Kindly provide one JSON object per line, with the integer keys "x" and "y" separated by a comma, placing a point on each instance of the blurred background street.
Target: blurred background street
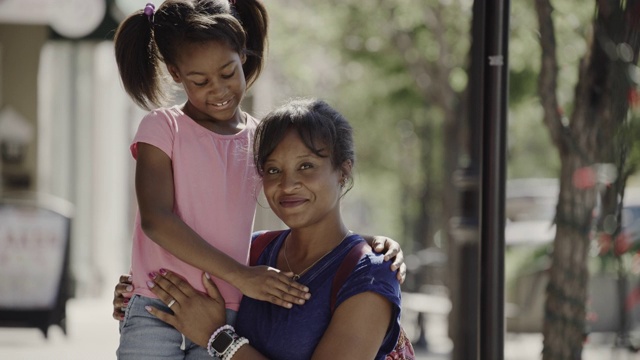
{"x": 417, "y": 79}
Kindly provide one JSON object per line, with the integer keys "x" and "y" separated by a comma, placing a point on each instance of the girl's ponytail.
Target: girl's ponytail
{"x": 146, "y": 40}
{"x": 138, "y": 61}
{"x": 254, "y": 19}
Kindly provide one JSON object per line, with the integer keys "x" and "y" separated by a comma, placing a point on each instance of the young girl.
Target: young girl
{"x": 195, "y": 182}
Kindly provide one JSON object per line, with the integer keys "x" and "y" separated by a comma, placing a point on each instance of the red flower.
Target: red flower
{"x": 633, "y": 97}
{"x": 604, "y": 243}
{"x": 584, "y": 178}
{"x": 622, "y": 245}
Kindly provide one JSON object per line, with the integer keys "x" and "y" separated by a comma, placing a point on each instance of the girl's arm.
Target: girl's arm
{"x": 155, "y": 192}
{"x": 121, "y": 296}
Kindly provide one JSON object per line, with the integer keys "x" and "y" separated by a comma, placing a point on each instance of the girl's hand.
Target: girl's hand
{"x": 121, "y": 296}
{"x": 195, "y": 314}
{"x": 393, "y": 251}
{"x": 269, "y": 284}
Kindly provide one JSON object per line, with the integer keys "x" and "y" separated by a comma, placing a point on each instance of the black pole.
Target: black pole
{"x": 465, "y": 227}
{"x": 494, "y": 127}
{"x": 478, "y": 231}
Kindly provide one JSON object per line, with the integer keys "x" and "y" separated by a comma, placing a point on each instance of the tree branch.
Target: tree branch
{"x": 547, "y": 81}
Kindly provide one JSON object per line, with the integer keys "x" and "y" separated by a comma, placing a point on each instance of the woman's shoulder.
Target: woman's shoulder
{"x": 374, "y": 262}
{"x": 371, "y": 273}
{"x": 357, "y": 246}
{"x": 260, "y": 241}
{"x": 267, "y": 233}
{"x": 370, "y": 264}
{"x": 364, "y": 263}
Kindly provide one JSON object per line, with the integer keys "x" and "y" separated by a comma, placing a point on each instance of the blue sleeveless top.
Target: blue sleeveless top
{"x": 288, "y": 334}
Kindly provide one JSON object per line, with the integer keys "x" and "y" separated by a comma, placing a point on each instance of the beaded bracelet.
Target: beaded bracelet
{"x": 213, "y": 337}
{"x": 235, "y": 347}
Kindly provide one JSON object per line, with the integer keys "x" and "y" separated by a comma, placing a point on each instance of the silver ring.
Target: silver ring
{"x": 170, "y": 304}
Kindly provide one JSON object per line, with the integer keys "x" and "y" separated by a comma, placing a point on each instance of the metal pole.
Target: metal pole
{"x": 465, "y": 229}
{"x": 492, "y": 242}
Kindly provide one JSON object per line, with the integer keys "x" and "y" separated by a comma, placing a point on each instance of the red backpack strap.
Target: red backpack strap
{"x": 346, "y": 268}
{"x": 260, "y": 243}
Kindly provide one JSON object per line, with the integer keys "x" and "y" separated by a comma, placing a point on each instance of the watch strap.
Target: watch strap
{"x": 221, "y": 340}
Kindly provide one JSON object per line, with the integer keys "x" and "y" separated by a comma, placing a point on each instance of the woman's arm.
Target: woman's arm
{"x": 155, "y": 192}
{"x": 357, "y": 328}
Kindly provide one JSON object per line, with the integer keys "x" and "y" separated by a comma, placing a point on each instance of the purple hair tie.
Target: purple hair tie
{"x": 148, "y": 10}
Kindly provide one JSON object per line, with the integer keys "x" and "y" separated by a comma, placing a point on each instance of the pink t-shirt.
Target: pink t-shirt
{"x": 215, "y": 189}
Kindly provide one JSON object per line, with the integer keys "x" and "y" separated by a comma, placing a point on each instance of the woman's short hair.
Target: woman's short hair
{"x": 322, "y": 129}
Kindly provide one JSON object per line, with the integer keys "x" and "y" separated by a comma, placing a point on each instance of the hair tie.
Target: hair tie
{"x": 149, "y": 10}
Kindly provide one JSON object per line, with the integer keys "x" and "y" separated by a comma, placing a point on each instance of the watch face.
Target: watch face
{"x": 222, "y": 342}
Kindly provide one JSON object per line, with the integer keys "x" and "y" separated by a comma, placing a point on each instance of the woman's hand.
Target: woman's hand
{"x": 393, "y": 251}
{"x": 195, "y": 314}
{"x": 121, "y": 296}
{"x": 269, "y": 284}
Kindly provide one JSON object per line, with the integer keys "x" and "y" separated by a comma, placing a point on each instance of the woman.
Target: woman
{"x": 304, "y": 152}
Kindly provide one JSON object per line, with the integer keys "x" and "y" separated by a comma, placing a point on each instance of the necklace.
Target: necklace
{"x": 298, "y": 275}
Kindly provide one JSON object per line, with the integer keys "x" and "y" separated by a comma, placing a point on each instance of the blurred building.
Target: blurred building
{"x": 59, "y": 77}
{"x": 66, "y": 124}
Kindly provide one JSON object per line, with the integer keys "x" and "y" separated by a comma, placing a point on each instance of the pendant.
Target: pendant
{"x": 296, "y": 277}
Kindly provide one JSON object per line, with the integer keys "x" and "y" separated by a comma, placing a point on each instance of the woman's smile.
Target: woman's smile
{"x": 290, "y": 202}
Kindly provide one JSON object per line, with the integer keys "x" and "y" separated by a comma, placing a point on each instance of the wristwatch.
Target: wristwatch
{"x": 221, "y": 343}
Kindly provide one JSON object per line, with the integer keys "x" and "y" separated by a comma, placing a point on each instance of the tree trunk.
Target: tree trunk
{"x": 564, "y": 325}
{"x": 588, "y": 138}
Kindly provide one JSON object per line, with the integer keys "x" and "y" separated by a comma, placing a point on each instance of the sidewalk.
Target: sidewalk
{"x": 93, "y": 334}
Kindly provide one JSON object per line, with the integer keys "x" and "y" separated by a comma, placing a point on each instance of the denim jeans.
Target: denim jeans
{"x": 143, "y": 336}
